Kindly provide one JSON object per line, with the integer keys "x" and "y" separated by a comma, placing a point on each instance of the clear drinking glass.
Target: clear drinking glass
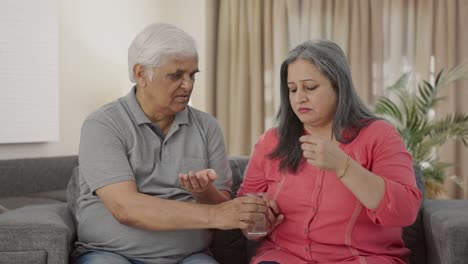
{"x": 260, "y": 227}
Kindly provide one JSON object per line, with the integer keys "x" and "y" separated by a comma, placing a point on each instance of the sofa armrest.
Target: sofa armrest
{"x": 37, "y": 234}
{"x": 446, "y": 230}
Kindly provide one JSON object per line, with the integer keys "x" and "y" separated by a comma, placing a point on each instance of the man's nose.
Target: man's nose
{"x": 187, "y": 84}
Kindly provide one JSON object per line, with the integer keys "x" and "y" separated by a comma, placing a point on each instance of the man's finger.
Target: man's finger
{"x": 251, "y": 199}
{"x": 212, "y": 175}
{"x": 194, "y": 181}
{"x": 183, "y": 184}
{"x": 203, "y": 180}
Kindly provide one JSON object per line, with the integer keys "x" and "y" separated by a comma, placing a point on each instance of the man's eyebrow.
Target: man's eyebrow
{"x": 180, "y": 71}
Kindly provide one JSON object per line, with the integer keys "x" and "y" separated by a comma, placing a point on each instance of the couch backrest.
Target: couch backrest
{"x": 238, "y": 165}
{"x": 31, "y": 175}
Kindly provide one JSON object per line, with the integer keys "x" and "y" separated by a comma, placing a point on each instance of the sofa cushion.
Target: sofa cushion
{"x": 446, "y": 229}
{"x": 19, "y": 201}
{"x": 47, "y": 227}
{"x": 73, "y": 190}
{"x": 59, "y": 195}
{"x": 2, "y": 209}
{"x": 24, "y": 257}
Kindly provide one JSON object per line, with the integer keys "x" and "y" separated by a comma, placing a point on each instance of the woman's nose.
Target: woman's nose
{"x": 300, "y": 96}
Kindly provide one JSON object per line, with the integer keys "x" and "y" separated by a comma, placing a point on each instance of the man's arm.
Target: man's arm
{"x": 135, "y": 209}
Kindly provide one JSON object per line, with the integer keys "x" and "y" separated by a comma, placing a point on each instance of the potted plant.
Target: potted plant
{"x": 411, "y": 110}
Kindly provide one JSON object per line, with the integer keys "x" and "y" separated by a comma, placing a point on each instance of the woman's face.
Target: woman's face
{"x": 311, "y": 95}
{"x": 172, "y": 84}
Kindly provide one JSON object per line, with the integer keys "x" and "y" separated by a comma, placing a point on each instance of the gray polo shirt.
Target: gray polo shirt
{"x": 119, "y": 143}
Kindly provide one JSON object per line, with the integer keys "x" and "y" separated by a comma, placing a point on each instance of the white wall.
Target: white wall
{"x": 94, "y": 37}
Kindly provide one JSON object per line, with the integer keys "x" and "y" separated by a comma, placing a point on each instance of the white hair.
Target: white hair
{"x": 157, "y": 42}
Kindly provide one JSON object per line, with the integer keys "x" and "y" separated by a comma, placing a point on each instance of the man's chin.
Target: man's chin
{"x": 180, "y": 108}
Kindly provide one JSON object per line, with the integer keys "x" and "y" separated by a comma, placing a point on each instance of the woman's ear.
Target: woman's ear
{"x": 140, "y": 75}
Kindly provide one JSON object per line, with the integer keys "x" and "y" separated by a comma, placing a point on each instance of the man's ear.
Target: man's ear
{"x": 140, "y": 75}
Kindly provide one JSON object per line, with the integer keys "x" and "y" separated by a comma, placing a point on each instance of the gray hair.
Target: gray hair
{"x": 156, "y": 43}
{"x": 351, "y": 113}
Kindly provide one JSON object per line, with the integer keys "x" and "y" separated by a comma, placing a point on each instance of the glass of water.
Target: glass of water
{"x": 260, "y": 227}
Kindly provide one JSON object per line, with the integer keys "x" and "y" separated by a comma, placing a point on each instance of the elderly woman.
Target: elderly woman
{"x": 140, "y": 201}
{"x": 341, "y": 177}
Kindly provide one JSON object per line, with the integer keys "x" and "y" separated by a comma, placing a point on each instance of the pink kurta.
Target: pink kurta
{"x": 324, "y": 222}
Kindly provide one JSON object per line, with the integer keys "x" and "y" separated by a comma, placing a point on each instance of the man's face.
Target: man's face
{"x": 172, "y": 84}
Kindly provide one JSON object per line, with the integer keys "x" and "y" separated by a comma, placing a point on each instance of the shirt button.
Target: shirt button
{"x": 314, "y": 209}
{"x": 306, "y": 249}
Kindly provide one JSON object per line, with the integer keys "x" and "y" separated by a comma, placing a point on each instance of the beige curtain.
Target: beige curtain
{"x": 251, "y": 43}
{"x": 354, "y": 25}
{"x": 450, "y": 48}
{"x": 382, "y": 39}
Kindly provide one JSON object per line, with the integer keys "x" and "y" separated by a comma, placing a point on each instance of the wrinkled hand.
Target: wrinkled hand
{"x": 197, "y": 182}
{"x": 241, "y": 212}
{"x": 322, "y": 152}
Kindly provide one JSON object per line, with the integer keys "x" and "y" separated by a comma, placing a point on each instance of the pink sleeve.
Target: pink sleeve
{"x": 401, "y": 200}
{"x": 254, "y": 177}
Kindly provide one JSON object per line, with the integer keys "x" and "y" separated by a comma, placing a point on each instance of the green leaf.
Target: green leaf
{"x": 408, "y": 109}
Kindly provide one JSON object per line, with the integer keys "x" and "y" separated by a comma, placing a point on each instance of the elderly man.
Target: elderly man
{"x": 154, "y": 176}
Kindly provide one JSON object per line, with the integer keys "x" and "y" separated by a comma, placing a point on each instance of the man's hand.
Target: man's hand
{"x": 197, "y": 182}
{"x": 240, "y": 212}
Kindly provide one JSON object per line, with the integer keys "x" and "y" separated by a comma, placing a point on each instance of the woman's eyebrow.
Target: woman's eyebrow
{"x": 304, "y": 80}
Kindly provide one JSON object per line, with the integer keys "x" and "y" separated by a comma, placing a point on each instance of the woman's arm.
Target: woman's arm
{"x": 388, "y": 190}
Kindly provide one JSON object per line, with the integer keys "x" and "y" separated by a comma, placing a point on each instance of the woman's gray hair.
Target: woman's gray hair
{"x": 351, "y": 114}
{"x": 156, "y": 43}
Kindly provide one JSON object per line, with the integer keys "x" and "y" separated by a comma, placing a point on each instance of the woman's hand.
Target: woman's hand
{"x": 197, "y": 182}
{"x": 323, "y": 153}
{"x": 274, "y": 216}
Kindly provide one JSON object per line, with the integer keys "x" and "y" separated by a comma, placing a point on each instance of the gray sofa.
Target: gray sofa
{"x": 38, "y": 226}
